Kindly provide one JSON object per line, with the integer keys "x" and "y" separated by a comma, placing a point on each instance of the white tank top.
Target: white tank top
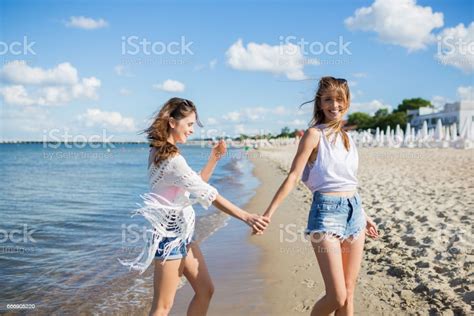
{"x": 335, "y": 168}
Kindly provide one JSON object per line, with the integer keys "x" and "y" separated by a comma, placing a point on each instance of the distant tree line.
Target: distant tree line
{"x": 383, "y": 118}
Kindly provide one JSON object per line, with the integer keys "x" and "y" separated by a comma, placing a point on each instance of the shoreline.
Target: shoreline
{"x": 232, "y": 261}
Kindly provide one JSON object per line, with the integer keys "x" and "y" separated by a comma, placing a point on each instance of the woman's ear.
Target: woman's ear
{"x": 172, "y": 122}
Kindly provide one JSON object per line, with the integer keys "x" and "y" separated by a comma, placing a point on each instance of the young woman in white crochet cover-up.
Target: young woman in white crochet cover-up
{"x": 168, "y": 207}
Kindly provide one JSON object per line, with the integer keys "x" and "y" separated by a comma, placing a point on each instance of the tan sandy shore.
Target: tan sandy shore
{"x": 423, "y": 202}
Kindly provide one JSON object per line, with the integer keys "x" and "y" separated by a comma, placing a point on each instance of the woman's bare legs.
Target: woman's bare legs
{"x": 195, "y": 271}
{"x": 352, "y": 254}
{"x": 166, "y": 280}
{"x": 328, "y": 254}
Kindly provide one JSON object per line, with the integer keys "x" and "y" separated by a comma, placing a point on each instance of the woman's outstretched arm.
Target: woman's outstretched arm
{"x": 217, "y": 152}
{"x": 308, "y": 143}
{"x": 257, "y": 222}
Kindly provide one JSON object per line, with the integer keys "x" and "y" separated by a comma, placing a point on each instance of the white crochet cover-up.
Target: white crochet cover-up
{"x": 174, "y": 187}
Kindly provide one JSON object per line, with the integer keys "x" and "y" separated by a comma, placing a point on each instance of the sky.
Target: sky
{"x": 99, "y": 70}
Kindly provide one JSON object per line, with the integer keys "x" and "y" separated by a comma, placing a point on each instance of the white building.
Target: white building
{"x": 461, "y": 113}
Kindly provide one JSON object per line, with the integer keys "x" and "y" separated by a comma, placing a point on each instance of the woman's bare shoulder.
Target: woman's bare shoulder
{"x": 312, "y": 135}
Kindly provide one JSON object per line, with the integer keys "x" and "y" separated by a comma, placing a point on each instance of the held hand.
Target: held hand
{"x": 256, "y": 232}
{"x": 219, "y": 149}
{"x": 371, "y": 229}
{"x": 257, "y": 222}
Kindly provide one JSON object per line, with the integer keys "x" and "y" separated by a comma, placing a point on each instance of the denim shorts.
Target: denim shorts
{"x": 337, "y": 216}
{"x": 178, "y": 252}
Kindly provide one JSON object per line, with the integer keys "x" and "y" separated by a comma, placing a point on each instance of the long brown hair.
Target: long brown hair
{"x": 158, "y": 132}
{"x": 340, "y": 87}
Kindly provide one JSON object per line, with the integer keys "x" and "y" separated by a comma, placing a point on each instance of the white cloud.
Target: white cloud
{"x": 53, "y": 95}
{"x": 50, "y": 95}
{"x": 27, "y": 119}
{"x": 280, "y": 59}
{"x": 112, "y": 120}
{"x": 280, "y": 110}
{"x": 85, "y": 23}
{"x": 298, "y": 122}
{"x": 255, "y": 113}
{"x": 16, "y": 95}
{"x": 19, "y": 72}
{"x": 295, "y": 123}
{"x": 400, "y": 22}
{"x": 37, "y": 86}
{"x": 466, "y": 93}
{"x": 170, "y": 86}
{"x": 368, "y": 107}
{"x": 247, "y": 114}
{"x": 439, "y": 101}
{"x": 240, "y": 129}
{"x": 259, "y": 114}
{"x": 455, "y": 47}
{"x": 86, "y": 88}
{"x": 232, "y": 116}
{"x": 211, "y": 121}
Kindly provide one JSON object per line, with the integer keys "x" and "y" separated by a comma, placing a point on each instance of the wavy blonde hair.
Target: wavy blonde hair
{"x": 158, "y": 131}
{"x": 331, "y": 85}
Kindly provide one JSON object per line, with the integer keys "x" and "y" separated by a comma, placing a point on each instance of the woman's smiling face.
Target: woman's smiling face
{"x": 180, "y": 130}
{"x": 333, "y": 106}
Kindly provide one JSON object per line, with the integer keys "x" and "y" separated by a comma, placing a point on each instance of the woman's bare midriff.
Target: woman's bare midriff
{"x": 347, "y": 194}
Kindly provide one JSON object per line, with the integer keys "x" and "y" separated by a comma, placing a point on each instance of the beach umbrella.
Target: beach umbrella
{"x": 439, "y": 131}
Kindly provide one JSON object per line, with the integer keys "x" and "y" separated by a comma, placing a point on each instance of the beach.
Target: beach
{"x": 421, "y": 199}
{"x": 422, "y": 264}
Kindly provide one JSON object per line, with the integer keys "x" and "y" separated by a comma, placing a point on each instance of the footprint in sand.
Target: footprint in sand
{"x": 427, "y": 240}
{"x": 309, "y": 283}
{"x": 304, "y": 306}
{"x": 422, "y": 219}
{"x": 410, "y": 241}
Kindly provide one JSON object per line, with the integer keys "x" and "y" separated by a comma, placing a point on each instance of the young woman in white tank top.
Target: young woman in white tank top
{"x": 327, "y": 160}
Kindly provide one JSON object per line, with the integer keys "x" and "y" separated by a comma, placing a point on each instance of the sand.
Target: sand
{"x": 422, "y": 264}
